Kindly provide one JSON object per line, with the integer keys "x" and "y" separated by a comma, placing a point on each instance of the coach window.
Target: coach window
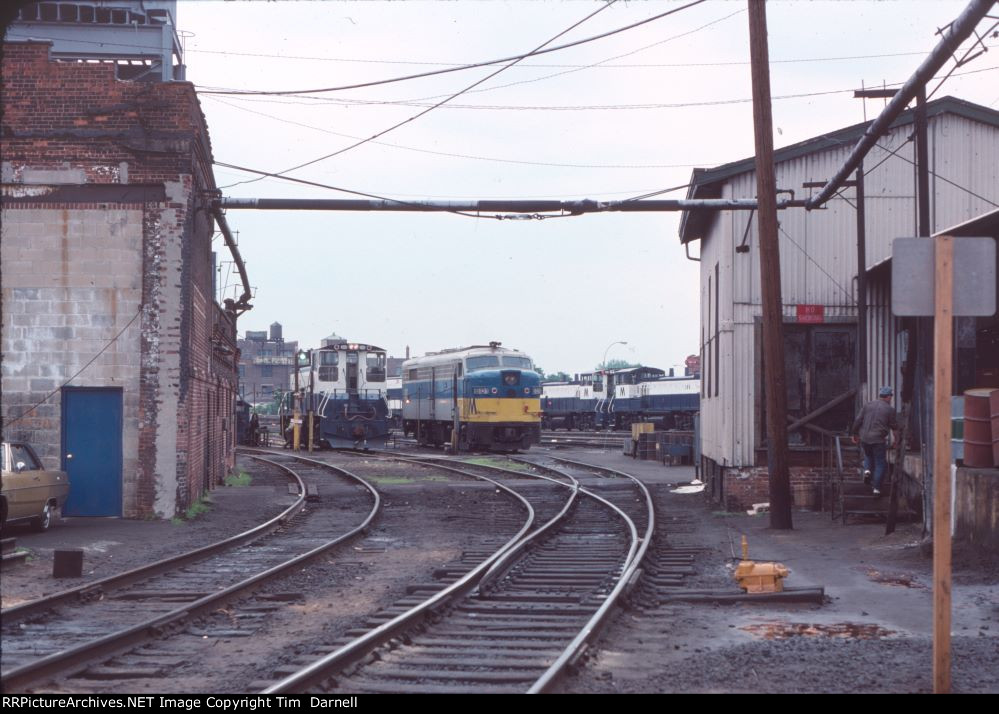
{"x": 351, "y": 358}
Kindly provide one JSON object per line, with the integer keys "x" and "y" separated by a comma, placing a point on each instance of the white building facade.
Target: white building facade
{"x": 818, "y": 261}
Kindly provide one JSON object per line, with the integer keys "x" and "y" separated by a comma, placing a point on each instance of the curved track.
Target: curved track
{"x": 67, "y": 631}
{"x": 516, "y": 621}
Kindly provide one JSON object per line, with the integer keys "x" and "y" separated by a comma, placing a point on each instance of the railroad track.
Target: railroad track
{"x": 69, "y": 631}
{"x": 515, "y": 626}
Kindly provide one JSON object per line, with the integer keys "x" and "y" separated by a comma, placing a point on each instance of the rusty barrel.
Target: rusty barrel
{"x": 978, "y": 428}
{"x": 994, "y": 404}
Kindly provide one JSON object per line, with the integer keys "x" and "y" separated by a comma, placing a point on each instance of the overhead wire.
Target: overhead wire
{"x": 539, "y": 65}
{"x": 601, "y": 62}
{"x": 451, "y": 154}
{"x": 513, "y": 59}
{"x": 333, "y": 101}
{"x": 416, "y": 116}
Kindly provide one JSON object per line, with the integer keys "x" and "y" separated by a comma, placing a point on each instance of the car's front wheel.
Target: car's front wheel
{"x": 42, "y": 522}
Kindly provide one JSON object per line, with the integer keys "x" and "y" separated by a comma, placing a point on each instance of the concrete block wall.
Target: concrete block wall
{"x": 83, "y": 287}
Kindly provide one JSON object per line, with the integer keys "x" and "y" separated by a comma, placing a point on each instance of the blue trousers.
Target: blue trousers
{"x": 876, "y": 461}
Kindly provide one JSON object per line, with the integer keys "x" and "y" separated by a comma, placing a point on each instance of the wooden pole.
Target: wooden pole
{"x": 773, "y": 318}
{"x": 943, "y": 338}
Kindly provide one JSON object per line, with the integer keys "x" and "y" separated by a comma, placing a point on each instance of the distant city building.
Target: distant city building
{"x": 266, "y": 363}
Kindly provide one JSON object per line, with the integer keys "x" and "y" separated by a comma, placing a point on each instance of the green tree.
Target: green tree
{"x": 617, "y": 364}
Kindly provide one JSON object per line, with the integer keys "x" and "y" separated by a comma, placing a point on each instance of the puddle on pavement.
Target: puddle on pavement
{"x": 785, "y": 630}
{"x": 904, "y": 580}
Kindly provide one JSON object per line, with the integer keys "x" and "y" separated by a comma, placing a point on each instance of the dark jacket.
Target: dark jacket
{"x": 874, "y": 422}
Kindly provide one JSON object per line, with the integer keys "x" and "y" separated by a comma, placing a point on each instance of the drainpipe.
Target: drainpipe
{"x": 243, "y": 303}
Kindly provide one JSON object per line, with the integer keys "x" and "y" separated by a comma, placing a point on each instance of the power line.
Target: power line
{"x": 455, "y": 155}
{"x": 512, "y": 59}
{"x": 644, "y": 65}
{"x": 580, "y": 68}
{"x": 331, "y": 101}
{"x": 443, "y": 101}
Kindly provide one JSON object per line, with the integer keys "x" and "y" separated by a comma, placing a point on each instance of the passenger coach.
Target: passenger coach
{"x": 491, "y": 394}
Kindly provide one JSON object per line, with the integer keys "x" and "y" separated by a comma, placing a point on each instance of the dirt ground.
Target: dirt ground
{"x": 115, "y": 545}
{"x": 872, "y": 634}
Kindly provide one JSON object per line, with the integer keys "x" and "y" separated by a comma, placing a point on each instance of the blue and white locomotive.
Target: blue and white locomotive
{"x": 614, "y": 399}
{"x": 489, "y": 393}
{"x": 345, "y": 388}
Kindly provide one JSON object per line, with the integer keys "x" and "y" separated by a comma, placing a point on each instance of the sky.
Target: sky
{"x": 629, "y": 114}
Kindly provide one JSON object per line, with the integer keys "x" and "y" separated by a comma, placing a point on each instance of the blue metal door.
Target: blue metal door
{"x": 91, "y": 450}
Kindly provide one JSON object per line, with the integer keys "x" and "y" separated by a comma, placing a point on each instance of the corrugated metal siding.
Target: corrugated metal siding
{"x": 819, "y": 259}
{"x": 884, "y": 342}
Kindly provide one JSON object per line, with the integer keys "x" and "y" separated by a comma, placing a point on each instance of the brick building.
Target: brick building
{"x": 118, "y": 364}
{"x": 266, "y": 364}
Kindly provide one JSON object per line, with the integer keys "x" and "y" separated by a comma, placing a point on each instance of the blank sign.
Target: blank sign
{"x": 912, "y": 277}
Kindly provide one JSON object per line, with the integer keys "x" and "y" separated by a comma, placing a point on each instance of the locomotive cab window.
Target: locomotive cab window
{"x": 376, "y": 366}
{"x": 483, "y": 362}
{"x": 328, "y": 362}
{"x": 512, "y": 361}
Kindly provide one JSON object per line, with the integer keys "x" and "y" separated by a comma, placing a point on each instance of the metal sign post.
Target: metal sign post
{"x": 917, "y": 262}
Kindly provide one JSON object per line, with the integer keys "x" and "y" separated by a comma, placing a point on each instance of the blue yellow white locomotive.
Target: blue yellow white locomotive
{"x": 344, "y": 386}
{"x": 491, "y": 394}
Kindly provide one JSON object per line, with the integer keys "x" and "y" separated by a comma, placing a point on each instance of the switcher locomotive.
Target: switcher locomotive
{"x": 481, "y": 397}
{"x": 344, "y": 387}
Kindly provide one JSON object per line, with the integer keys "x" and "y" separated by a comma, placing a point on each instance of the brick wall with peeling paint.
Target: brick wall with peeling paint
{"x": 84, "y": 260}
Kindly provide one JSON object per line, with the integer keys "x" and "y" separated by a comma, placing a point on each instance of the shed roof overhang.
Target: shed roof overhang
{"x": 708, "y": 183}
{"x": 986, "y": 224}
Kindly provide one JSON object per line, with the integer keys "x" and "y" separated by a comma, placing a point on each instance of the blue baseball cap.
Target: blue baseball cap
{"x": 886, "y": 391}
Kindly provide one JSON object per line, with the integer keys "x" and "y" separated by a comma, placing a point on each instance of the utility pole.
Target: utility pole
{"x": 773, "y": 318}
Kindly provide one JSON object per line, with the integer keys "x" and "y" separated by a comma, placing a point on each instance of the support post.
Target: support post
{"x": 861, "y": 287}
{"x": 312, "y": 402}
{"x": 296, "y": 414}
{"x": 773, "y": 328}
{"x": 943, "y": 338}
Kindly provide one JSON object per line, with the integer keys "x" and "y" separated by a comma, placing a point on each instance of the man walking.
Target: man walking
{"x": 872, "y": 425}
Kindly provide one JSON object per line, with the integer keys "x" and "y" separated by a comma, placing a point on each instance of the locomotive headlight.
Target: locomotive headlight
{"x": 527, "y": 390}
{"x": 510, "y": 379}
{"x": 494, "y": 390}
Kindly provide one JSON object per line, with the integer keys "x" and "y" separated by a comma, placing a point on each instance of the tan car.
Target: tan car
{"x": 28, "y": 493}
